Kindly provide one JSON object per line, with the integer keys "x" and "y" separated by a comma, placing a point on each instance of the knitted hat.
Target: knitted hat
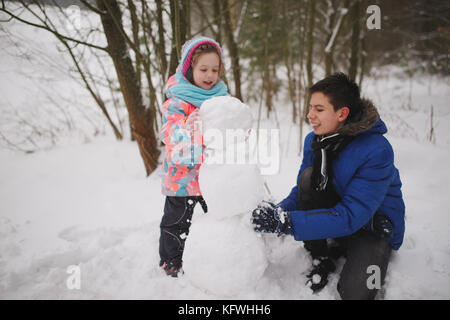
{"x": 188, "y": 50}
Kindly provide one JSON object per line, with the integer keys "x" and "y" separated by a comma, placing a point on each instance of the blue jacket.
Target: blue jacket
{"x": 367, "y": 182}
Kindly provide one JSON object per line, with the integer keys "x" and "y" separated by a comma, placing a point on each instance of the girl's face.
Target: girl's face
{"x": 322, "y": 116}
{"x": 206, "y": 70}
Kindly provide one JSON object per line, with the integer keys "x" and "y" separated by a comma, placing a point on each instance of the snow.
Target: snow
{"x": 82, "y": 202}
{"x": 90, "y": 205}
{"x": 316, "y": 279}
{"x": 225, "y": 114}
{"x": 219, "y": 115}
{"x": 223, "y": 254}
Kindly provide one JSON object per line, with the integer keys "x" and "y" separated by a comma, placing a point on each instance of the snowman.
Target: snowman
{"x": 223, "y": 254}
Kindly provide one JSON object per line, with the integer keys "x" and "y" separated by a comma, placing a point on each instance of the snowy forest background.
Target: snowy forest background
{"x": 81, "y": 85}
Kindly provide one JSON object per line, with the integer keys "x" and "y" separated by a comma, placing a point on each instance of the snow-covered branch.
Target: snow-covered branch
{"x": 343, "y": 12}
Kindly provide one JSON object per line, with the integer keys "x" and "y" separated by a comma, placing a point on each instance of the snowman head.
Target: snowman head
{"x": 225, "y": 116}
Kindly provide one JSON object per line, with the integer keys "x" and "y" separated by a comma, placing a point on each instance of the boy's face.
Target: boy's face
{"x": 323, "y": 118}
{"x": 206, "y": 71}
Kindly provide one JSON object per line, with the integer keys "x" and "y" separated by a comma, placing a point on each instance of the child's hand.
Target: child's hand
{"x": 268, "y": 217}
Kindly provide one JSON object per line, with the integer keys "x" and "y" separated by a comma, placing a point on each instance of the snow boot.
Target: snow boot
{"x": 318, "y": 277}
{"x": 173, "y": 269}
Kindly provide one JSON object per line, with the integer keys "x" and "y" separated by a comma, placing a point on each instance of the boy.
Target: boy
{"x": 348, "y": 190}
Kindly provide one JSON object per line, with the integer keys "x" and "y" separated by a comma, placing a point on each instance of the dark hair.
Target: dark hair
{"x": 342, "y": 92}
{"x": 189, "y": 75}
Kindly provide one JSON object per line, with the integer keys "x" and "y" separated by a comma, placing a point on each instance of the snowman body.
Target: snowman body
{"x": 223, "y": 254}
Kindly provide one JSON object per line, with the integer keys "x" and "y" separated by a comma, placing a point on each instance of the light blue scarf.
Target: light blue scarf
{"x": 192, "y": 94}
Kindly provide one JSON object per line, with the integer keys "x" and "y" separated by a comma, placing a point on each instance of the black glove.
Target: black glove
{"x": 382, "y": 226}
{"x": 269, "y": 218}
{"x": 203, "y": 204}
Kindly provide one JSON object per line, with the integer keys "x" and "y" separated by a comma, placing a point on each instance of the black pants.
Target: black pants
{"x": 174, "y": 226}
{"x": 367, "y": 259}
{"x": 367, "y": 256}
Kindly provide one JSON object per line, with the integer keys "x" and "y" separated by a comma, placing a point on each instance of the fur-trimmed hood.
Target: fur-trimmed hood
{"x": 370, "y": 121}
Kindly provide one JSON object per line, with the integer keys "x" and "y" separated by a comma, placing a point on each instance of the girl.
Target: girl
{"x": 196, "y": 79}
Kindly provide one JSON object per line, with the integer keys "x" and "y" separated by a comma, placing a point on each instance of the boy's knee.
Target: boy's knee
{"x": 364, "y": 271}
{"x": 349, "y": 289}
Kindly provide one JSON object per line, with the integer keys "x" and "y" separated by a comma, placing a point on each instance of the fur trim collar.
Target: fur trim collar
{"x": 369, "y": 118}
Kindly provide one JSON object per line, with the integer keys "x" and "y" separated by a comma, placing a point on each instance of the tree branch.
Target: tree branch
{"x": 122, "y": 31}
{"x": 46, "y": 27}
{"x": 216, "y": 18}
{"x": 205, "y": 16}
{"x": 91, "y": 7}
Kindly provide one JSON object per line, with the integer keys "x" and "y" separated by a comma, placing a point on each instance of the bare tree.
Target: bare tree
{"x": 355, "y": 46}
{"x": 161, "y": 44}
{"x": 141, "y": 119}
{"x": 335, "y": 16}
{"x": 309, "y": 51}
{"x": 45, "y": 23}
{"x": 179, "y": 16}
{"x": 289, "y": 60}
{"x": 234, "y": 51}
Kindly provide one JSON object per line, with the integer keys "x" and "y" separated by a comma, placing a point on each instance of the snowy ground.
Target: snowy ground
{"x": 89, "y": 205}
{"x": 84, "y": 201}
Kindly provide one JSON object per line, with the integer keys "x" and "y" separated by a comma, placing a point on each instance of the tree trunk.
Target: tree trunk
{"x": 310, "y": 40}
{"x": 135, "y": 30}
{"x": 218, "y": 20}
{"x": 301, "y": 39}
{"x": 266, "y": 78}
{"x": 186, "y": 20}
{"x": 355, "y": 16}
{"x": 335, "y": 28}
{"x": 147, "y": 65}
{"x": 141, "y": 120}
{"x": 288, "y": 60}
{"x": 362, "y": 62}
{"x": 174, "y": 51}
{"x": 161, "y": 49}
{"x": 309, "y": 52}
{"x": 268, "y": 89}
{"x": 179, "y": 17}
{"x": 234, "y": 51}
{"x": 328, "y": 48}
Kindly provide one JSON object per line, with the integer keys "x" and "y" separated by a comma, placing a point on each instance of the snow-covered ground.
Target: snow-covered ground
{"x": 83, "y": 200}
{"x": 90, "y": 205}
